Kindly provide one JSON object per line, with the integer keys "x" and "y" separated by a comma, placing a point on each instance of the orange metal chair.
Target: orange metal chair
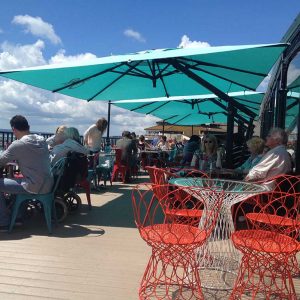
{"x": 278, "y": 212}
{"x": 172, "y": 271}
{"x": 269, "y": 246}
{"x": 119, "y": 168}
{"x": 186, "y": 209}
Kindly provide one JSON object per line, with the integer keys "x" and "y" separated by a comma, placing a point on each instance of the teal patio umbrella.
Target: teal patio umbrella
{"x": 195, "y": 110}
{"x": 158, "y": 73}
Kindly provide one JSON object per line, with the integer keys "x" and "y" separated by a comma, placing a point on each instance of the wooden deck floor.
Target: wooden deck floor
{"x": 95, "y": 254}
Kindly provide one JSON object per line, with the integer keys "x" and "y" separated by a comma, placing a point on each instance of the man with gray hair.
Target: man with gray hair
{"x": 276, "y": 161}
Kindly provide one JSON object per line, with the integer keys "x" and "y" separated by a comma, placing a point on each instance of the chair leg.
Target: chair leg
{"x": 263, "y": 274}
{"x": 170, "y": 276}
{"x": 14, "y": 214}
{"x": 47, "y": 213}
{"x": 86, "y": 185}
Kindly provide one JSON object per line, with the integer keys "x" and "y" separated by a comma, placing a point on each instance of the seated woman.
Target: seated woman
{"x": 71, "y": 142}
{"x": 57, "y": 138}
{"x": 256, "y": 147}
{"x": 163, "y": 144}
{"x": 142, "y": 144}
{"x": 209, "y": 156}
{"x": 189, "y": 148}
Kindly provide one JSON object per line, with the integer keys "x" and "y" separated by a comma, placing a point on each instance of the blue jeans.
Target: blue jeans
{"x": 11, "y": 186}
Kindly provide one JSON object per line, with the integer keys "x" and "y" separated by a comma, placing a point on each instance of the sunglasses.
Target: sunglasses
{"x": 205, "y": 142}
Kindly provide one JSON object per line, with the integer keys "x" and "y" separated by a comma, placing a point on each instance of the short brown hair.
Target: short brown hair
{"x": 19, "y": 122}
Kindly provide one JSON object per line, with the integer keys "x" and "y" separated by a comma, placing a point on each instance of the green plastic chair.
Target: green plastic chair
{"x": 47, "y": 200}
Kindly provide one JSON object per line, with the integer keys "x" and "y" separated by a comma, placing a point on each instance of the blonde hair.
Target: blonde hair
{"x": 212, "y": 138}
{"x": 60, "y": 134}
{"x": 256, "y": 144}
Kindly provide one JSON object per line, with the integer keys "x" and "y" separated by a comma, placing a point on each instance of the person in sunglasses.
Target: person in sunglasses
{"x": 209, "y": 156}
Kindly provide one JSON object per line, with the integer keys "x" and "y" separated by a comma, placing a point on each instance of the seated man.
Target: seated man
{"x": 276, "y": 161}
{"x": 129, "y": 150}
{"x": 32, "y": 155}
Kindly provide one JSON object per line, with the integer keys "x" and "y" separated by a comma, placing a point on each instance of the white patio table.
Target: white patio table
{"x": 218, "y": 258}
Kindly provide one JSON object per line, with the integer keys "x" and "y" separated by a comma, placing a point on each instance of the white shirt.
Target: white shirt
{"x": 275, "y": 162}
{"x": 92, "y": 138}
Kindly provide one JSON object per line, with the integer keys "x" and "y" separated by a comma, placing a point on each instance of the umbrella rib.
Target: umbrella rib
{"x": 209, "y": 86}
{"x": 224, "y": 67}
{"x": 162, "y": 80}
{"x": 160, "y": 106}
{"x": 142, "y": 106}
{"x": 115, "y": 80}
{"x": 221, "y": 77}
{"x": 86, "y": 78}
{"x": 225, "y": 108}
{"x": 179, "y": 119}
{"x": 292, "y": 105}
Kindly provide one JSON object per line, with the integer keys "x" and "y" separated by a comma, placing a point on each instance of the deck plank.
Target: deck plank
{"x": 95, "y": 254}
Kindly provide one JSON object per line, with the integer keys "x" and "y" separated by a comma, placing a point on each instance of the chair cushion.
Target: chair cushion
{"x": 174, "y": 234}
{"x": 272, "y": 219}
{"x": 185, "y": 212}
{"x": 264, "y": 241}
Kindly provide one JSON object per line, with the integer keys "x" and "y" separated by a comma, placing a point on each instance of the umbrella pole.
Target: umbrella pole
{"x": 230, "y": 130}
{"x": 108, "y": 123}
{"x": 163, "y": 128}
{"x": 192, "y": 129}
{"x": 297, "y": 158}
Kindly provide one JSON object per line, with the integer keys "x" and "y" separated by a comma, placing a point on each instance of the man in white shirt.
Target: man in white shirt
{"x": 276, "y": 161}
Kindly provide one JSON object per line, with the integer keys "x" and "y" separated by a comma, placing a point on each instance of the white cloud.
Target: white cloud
{"x": 60, "y": 57}
{"x": 187, "y": 43}
{"x": 18, "y": 56}
{"x": 37, "y": 27}
{"x": 45, "y": 110}
{"x": 134, "y": 35}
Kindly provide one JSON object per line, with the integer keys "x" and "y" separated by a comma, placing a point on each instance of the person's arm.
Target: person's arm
{"x": 85, "y": 136}
{"x": 8, "y": 155}
{"x": 261, "y": 170}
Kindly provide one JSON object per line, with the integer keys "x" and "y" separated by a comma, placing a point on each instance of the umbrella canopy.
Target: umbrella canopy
{"x": 292, "y": 109}
{"x": 157, "y": 73}
{"x": 193, "y": 110}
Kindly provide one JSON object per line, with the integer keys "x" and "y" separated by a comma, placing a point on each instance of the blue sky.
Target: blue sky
{"x": 35, "y": 32}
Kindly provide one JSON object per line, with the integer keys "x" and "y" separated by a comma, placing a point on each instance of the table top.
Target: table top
{"x": 228, "y": 186}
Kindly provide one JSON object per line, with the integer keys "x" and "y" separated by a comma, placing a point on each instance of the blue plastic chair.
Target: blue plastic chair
{"x": 105, "y": 167}
{"x": 47, "y": 200}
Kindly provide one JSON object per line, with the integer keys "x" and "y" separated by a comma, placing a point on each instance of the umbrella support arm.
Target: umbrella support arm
{"x": 185, "y": 69}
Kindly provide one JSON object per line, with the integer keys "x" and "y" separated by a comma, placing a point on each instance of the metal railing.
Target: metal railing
{"x": 7, "y": 137}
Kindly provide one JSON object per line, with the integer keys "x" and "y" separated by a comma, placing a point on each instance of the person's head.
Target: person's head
{"x": 60, "y": 129}
{"x": 126, "y": 134}
{"x": 101, "y": 124}
{"x": 142, "y": 138}
{"x": 276, "y": 137}
{"x": 163, "y": 138}
{"x": 133, "y": 135}
{"x": 210, "y": 144}
{"x": 194, "y": 138}
{"x": 72, "y": 133}
{"x": 256, "y": 145}
{"x": 60, "y": 136}
{"x": 19, "y": 126}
